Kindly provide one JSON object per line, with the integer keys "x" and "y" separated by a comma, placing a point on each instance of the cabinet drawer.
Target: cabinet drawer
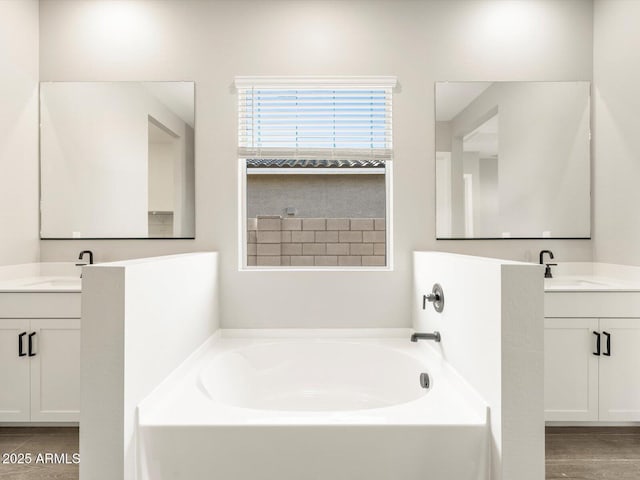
{"x": 592, "y": 304}
{"x": 40, "y": 305}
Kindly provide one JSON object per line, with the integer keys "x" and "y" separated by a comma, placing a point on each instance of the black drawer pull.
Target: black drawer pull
{"x": 31, "y": 352}
{"x": 608, "y": 352}
{"x": 597, "y": 352}
{"x": 20, "y": 351}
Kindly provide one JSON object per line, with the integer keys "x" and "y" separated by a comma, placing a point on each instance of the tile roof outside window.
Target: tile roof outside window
{"x": 300, "y": 163}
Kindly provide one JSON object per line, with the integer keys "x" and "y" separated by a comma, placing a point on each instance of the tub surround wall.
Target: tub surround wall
{"x": 19, "y": 240}
{"x": 492, "y": 334}
{"x": 616, "y": 124}
{"x": 212, "y": 42}
{"x": 141, "y": 319}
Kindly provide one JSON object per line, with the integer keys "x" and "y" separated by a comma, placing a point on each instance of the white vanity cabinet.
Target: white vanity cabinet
{"x": 570, "y": 369}
{"x": 39, "y": 357}
{"x": 14, "y": 373}
{"x": 584, "y": 383}
{"x": 619, "y": 372}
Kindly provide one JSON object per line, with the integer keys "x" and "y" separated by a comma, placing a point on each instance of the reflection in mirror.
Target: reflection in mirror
{"x": 117, "y": 160}
{"x": 512, "y": 160}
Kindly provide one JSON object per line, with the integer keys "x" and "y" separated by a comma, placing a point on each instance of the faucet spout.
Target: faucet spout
{"x": 435, "y": 336}
{"x": 542, "y": 252}
{"x": 86, "y": 252}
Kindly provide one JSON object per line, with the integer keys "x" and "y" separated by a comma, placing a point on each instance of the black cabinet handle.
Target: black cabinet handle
{"x": 608, "y": 352}
{"x": 31, "y": 353}
{"x": 597, "y": 352}
{"x": 20, "y": 337}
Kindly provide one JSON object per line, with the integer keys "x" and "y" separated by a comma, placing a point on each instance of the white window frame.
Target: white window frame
{"x": 320, "y": 82}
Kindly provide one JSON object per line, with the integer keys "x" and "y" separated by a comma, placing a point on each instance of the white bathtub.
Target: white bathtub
{"x": 307, "y": 405}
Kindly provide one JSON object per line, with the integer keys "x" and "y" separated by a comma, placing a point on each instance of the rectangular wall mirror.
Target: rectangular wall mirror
{"x": 117, "y": 160}
{"x": 512, "y": 160}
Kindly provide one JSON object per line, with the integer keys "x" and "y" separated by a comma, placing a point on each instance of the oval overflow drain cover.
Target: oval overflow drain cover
{"x": 424, "y": 380}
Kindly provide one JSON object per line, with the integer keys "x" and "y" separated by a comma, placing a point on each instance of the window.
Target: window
{"x": 315, "y": 163}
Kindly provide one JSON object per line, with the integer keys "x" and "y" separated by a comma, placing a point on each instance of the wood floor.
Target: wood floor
{"x": 601, "y": 453}
{"x": 572, "y": 453}
{"x": 52, "y": 440}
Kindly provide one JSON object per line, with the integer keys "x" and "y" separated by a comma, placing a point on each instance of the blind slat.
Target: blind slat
{"x": 347, "y": 122}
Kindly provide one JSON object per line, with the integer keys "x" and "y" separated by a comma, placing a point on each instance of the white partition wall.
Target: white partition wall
{"x": 140, "y": 320}
{"x": 492, "y": 334}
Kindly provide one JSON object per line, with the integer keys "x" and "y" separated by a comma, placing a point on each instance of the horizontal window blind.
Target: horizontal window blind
{"x": 348, "y": 121}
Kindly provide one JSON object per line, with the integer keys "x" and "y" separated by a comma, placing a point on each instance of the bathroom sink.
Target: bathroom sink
{"x": 584, "y": 283}
{"x": 578, "y": 283}
{"x": 41, "y": 277}
{"x": 56, "y": 283}
{"x": 42, "y": 284}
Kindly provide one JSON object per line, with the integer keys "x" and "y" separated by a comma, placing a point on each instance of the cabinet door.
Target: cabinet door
{"x": 570, "y": 369}
{"x": 14, "y": 371}
{"x": 55, "y": 370}
{"x": 620, "y": 372}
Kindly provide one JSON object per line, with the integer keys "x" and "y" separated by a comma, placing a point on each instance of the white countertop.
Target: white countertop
{"x": 49, "y": 277}
{"x": 593, "y": 277}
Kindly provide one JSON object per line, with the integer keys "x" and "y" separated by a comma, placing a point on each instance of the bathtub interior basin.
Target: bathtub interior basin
{"x": 298, "y": 376}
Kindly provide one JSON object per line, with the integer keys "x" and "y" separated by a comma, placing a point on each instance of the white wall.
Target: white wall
{"x": 212, "y": 42}
{"x": 616, "y": 126}
{"x": 95, "y": 158}
{"x": 492, "y": 334}
{"x": 19, "y": 132}
{"x": 140, "y": 320}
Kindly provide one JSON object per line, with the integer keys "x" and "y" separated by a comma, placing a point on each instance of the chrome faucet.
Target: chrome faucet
{"x": 547, "y": 270}
{"x": 426, "y": 336}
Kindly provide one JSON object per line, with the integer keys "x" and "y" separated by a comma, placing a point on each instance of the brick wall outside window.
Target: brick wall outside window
{"x": 321, "y": 242}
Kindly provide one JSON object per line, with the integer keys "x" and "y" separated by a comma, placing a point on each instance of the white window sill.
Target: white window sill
{"x": 316, "y": 269}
